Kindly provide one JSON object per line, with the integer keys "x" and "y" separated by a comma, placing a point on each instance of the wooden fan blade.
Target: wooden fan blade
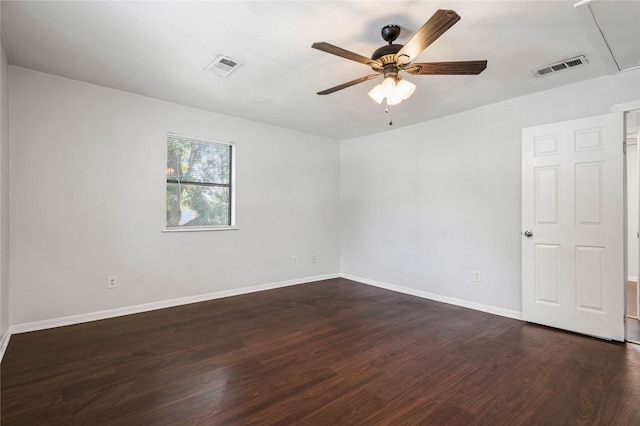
{"x": 437, "y": 25}
{"x": 338, "y": 51}
{"x": 444, "y": 68}
{"x": 348, "y": 84}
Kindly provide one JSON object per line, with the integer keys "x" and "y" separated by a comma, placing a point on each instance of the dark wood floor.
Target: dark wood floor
{"x": 332, "y": 352}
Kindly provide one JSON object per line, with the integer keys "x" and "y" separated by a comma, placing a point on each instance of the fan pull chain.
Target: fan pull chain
{"x": 387, "y": 110}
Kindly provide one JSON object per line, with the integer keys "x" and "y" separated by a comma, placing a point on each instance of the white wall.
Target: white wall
{"x": 4, "y": 192}
{"x": 424, "y": 206}
{"x": 88, "y": 201}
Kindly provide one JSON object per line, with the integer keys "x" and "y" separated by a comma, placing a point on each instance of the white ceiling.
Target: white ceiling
{"x": 160, "y": 49}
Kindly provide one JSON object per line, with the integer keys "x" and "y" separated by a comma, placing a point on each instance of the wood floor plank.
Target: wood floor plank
{"x": 331, "y": 352}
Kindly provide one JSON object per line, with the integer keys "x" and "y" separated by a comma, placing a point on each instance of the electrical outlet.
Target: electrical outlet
{"x": 313, "y": 259}
{"x": 476, "y": 275}
{"x": 294, "y": 260}
{"x": 112, "y": 282}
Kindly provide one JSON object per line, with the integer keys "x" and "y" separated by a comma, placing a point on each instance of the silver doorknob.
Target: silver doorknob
{"x": 528, "y": 234}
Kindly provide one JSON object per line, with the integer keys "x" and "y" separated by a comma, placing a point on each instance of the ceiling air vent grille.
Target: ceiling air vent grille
{"x": 559, "y": 66}
{"x": 223, "y": 66}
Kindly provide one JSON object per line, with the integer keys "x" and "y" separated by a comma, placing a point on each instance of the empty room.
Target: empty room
{"x": 319, "y": 212}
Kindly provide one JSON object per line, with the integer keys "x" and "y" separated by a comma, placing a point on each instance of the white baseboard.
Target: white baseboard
{"x": 135, "y": 309}
{"x": 128, "y": 310}
{"x": 4, "y": 342}
{"x": 634, "y": 279}
{"x": 438, "y": 298}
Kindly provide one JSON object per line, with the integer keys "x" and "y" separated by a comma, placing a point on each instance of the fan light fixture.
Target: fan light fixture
{"x": 395, "y": 90}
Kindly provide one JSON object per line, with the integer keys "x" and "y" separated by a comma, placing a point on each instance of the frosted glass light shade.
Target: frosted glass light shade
{"x": 394, "y": 100}
{"x": 377, "y": 93}
{"x": 389, "y": 87}
{"x": 405, "y": 89}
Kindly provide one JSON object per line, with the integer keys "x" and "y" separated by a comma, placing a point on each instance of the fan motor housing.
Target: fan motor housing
{"x": 387, "y": 49}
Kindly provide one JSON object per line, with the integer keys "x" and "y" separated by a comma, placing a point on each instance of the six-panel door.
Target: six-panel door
{"x": 572, "y": 205}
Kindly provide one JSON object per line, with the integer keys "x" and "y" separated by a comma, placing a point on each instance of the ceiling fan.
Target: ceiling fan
{"x": 389, "y": 60}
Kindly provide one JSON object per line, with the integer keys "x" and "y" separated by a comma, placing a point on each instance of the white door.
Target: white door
{"x": 573, "y": 274}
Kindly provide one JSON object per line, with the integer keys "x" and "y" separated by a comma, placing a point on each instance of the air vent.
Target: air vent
{"x": 223, "y": 66}
{"x": 559, "y": 66}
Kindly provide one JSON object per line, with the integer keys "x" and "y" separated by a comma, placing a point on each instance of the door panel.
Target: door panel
{"x": 546, "y": 186}
{"x": 589, "y": 279}
{"x": 572, "y": 203}
{"x": 547, "y": 260}
{"x": 589, "y": 191}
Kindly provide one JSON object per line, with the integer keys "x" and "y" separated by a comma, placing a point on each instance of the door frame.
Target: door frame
{"x": 623, "y": 108}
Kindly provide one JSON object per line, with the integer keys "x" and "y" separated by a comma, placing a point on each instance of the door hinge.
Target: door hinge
{"x": 624, "y": 147}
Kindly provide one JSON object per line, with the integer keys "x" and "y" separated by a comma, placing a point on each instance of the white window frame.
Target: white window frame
{"x": 231, "y": 185}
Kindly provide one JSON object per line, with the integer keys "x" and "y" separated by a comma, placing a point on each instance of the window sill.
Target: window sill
{"x": 200, "y": 229}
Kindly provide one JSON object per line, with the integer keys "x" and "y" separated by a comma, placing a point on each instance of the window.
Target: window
{"x": 199, "y": 183}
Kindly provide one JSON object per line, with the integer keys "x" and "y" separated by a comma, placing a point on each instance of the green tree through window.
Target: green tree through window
{"x": 199, "y": 186}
